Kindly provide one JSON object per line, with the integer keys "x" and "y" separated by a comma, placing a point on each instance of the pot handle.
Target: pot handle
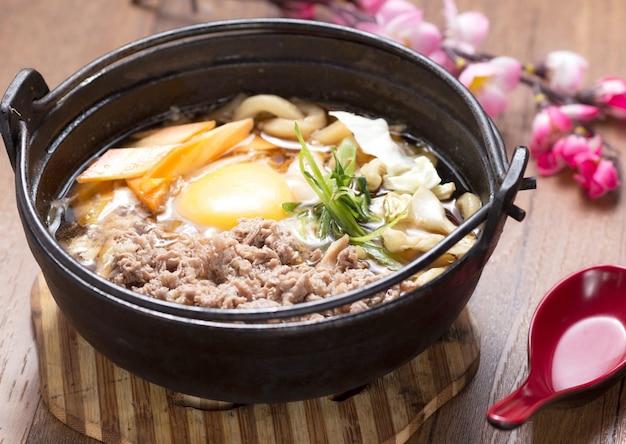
{"x": 19, "y": 108}
{"x": 512, "y": 182}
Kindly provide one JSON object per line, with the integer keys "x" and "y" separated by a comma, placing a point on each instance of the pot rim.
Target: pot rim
{"x": 488, "y": 136}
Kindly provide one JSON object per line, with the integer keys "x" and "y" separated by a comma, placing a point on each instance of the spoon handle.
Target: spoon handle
{"x": 515, "y": 409}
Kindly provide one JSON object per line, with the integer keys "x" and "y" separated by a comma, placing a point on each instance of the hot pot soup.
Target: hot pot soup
{"x": 263, "y": 202}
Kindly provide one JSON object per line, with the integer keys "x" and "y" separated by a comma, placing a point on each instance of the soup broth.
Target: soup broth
{"x": 263, "y": 202}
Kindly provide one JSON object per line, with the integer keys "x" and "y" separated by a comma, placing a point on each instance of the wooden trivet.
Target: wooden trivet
{"x": 92, "y": 395}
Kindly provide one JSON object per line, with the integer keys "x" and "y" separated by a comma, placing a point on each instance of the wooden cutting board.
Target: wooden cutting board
{"x": 92, "y": 395}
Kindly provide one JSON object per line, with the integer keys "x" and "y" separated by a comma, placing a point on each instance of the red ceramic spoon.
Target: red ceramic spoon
{"x": 576, "y": 347}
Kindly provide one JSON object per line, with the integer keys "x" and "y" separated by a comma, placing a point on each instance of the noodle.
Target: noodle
{"x": 308, "y": 116}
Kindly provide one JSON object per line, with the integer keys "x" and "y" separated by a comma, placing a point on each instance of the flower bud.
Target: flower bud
{"x": 464, "y": 31}
{"x": 565, "y": 71}
{"x": 403, "y": 22}
{"x": 597, "y": 175}
{"x": 610, "y": 94}
{"x": 549, "y": 125}
{"x": 579, "y": 111}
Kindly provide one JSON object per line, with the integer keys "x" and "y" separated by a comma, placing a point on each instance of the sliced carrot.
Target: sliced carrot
{"x": 201, "y": 149}
{"x": 173, "y": 135}
{"x": 152, "y": 187}
{"x": 151, "y": 191}
{"x": 123, "y": 163}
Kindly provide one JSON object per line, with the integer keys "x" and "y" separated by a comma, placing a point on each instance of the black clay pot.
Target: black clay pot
{"x": 50, "y": 135}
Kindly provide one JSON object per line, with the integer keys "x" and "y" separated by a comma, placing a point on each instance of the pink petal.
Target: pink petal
{"x": 398, "y": 20}
{"x": 426, "y": 39}
{"x": 509, "y": 72}
{"x": 374, "y": 28}
{"x": 575, "y": 148}
{"x": 450, "y": 11}
{"x": 606, "y": 177}
{"x": 402, "y": 24}
{"x": 549, "y": 125}
{"x": 617, "y": 106}
{"x": 541, "y": 130}
{"x": 549, "y": 163}
{"x": 300, "y": 10}
{"x": 578, "y": 111}
{"x": 440, "y": 57}
{"x": 371, "y": 6}
{"x": 490, "y": 81}
{"x": 566, "y": 71}
{"x": 598, "y": 177}
{"x": 464, "y": 31}
{"x": 607, "y": 87}
{"x": 587, "y": 164}
{"x": 613, "y": 85}
{"x": 476, "y": 74}
{"x": 391, "y": 9}
{"x": 559, "y": 119}
{"x": 471, "y": 27}
{"x": 493, "y": 100}
{"x": 402, "y": 21}
{"x": 611, "y": 92}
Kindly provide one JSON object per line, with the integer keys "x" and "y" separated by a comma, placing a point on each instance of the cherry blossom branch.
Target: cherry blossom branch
{"x": 562, "y": 134}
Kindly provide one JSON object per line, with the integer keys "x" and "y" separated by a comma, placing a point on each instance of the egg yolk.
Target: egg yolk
{"x": 223, "y": 196}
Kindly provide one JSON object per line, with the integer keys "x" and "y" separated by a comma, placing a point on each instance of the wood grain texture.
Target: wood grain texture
{"x": 102, "y": 401}
{"x": 562, "y": 232}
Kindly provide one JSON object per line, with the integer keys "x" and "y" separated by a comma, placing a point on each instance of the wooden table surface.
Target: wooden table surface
{"x": 563, "y": 231}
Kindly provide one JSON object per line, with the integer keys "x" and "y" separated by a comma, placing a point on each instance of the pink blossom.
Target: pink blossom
{"x": 597, "y": 175}
{"x": 440, "y": 57}
{"x": 550, "y": 163}
{"x": 565, "y": 71}
{"x": 490, "y": 82}
{"x": 549, "y": 125}
{"x": 610, "y": 93}
{"x": 569, "y": 150}
{"x": 464, "y": 31}
{"x": 371, "y": 6}
{"x": 570, "y": 147}
{"x": 403, "y": 22}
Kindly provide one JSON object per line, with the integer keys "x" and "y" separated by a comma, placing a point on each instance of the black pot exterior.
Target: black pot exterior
{"x": 50, "y": 135}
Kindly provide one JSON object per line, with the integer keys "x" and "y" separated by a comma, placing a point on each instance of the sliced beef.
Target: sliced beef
{"x": 257, "y": 264}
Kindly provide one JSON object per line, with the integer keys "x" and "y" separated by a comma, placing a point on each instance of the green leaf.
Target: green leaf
{"x": 291, "y": 207}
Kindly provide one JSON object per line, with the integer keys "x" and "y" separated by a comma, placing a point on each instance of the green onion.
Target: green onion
{"x": 345, "y": 200}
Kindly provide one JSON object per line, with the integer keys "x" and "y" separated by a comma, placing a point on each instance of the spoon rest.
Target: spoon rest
{"x": 576, "y": 347}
